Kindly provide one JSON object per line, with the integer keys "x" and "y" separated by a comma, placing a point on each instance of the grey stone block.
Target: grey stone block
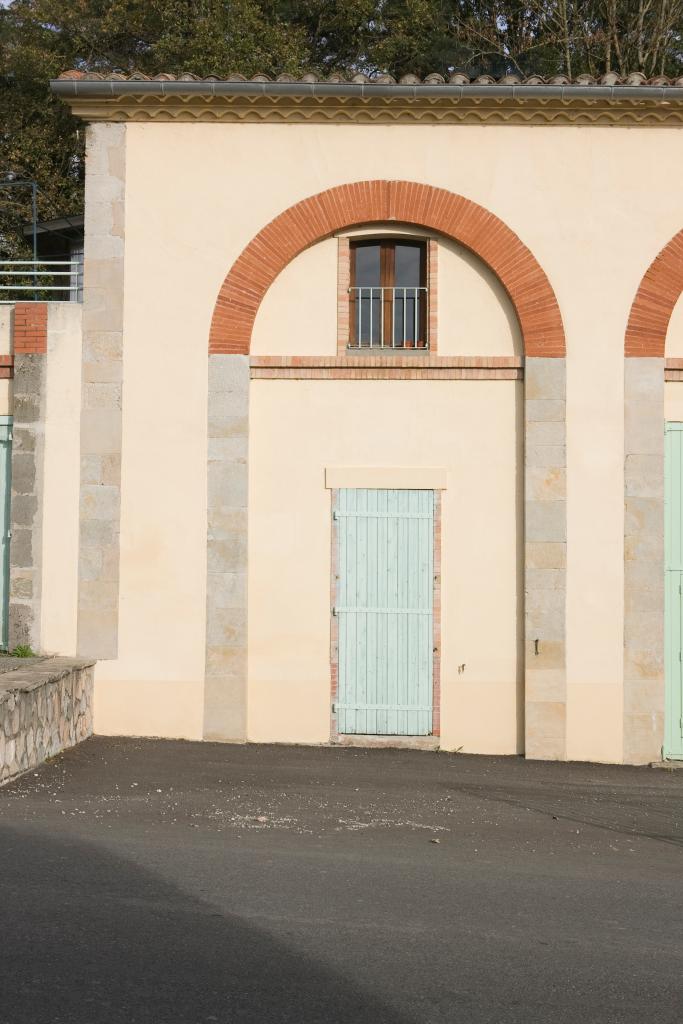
{"x": 545, "y": 614}
{"x": 228, "y": 554}
{"x": 222, "y": 424}
{"x": 102, "y": 395}
{"x": 23, "y": 439}
{"x": 545, "y": 455}
{"x": 542, "y": 555}
{"x": 546, "y": 521}
{"x": 100, "y": 431}
{"x": 24, "y": 509}
{"x": 99, "y": 594}
{"x": 98, "y": 533}
{"x": 545, "y": 579}
{"x": 21, "y": 624}
{"x": 544, "y": 379}
{"x": 644, "y": 476}
{"x": 21, "y": 548}
{"x": 542, "y": 411}
{"x": 545, "y": 483}
{"x": 100, "y": 502}
{"x": 643, "y": 545}
{"x": 97, "y": 632}
{"x": 225, "y": 521}
{"x": 225, "y": 708}
{"x": 228, "y": 589}
{"x": 545, "y": 433}
{"x": 29, "y": 370}
{"x": 228, "y": 484}
{"x": 91, "y": 469}
{"x": 103, "y": 348}
{"x": 26, "y": 409}
{"x": 643, "y": 630}
{"x": 226, "y": 627}
{"x": 21, "y": 585}
{"x": 229, "y": 449}
{"x": 229, "y": 374}
{"x": 23, "y": 473}
{"x": 643, "y": 515}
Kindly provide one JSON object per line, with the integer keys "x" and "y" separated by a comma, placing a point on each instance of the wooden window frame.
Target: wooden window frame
{"x": 387, "y": 246}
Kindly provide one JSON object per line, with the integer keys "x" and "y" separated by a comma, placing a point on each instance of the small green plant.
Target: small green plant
{"x": 23, "y": 651}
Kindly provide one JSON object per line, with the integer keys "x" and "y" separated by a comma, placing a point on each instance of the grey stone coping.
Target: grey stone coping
{"x": 39, "y": 672}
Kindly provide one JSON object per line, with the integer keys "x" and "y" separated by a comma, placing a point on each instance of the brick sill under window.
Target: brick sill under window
{"x": 409, "y": 365}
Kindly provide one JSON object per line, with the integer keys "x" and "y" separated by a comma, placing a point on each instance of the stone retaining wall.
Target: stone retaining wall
{"x": 45, "y": 707}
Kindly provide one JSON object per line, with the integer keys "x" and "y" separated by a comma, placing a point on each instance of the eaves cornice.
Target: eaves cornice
{"x": 363, "y": 103}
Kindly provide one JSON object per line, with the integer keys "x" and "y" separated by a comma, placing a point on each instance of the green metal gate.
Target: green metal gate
{"x": 5, "y": 498}
{"x": 384, "y": 608}
{"x": 673, "y": 589}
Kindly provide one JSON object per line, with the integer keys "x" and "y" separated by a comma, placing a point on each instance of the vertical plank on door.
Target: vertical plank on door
{"x": 673, "y": 596}
{"x": 385, "y": 611}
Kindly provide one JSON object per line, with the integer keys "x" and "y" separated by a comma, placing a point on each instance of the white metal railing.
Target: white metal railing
{"x": 42, "y": 280}
{"x": 389, "y": 318}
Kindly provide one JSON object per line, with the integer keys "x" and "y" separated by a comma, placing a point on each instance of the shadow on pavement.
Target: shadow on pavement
{"x": 110, "y": 942}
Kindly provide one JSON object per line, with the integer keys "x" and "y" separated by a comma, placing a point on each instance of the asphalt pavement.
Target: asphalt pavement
{"x": 168, "y": 882}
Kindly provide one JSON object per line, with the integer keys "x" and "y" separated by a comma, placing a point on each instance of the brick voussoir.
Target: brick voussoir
{"x": 451, "y": 215}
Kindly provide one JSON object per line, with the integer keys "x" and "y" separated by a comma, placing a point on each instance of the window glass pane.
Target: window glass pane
{"x": 367, "y": 266}
{"x": 408, "y": 265}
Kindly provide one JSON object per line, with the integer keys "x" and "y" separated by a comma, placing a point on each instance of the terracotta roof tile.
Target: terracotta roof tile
{"x": 457, "y": 78}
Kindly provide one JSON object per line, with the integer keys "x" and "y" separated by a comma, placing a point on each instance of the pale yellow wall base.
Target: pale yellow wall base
{"x": 595, "y": 722}
{"x": 172, "y": 710}
{"x": 483, "y": 718}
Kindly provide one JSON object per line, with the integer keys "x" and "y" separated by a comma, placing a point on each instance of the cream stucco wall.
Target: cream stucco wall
{"x": 476, "y": 316}
{"x": 673, "y": 349}
{"x": 196, "y": 195}
{"x": 473, "y": 430}
{"x": 61, "y": 479}
{"x": 6, "y": 320}
{"x": 298, "y": 315}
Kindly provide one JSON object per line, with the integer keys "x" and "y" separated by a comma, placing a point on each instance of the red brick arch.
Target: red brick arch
{"x": 654, "y": 303}
{"x": 366, "y": 202}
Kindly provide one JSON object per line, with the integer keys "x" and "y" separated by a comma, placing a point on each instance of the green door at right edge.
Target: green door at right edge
{"x": 673, "y": 590}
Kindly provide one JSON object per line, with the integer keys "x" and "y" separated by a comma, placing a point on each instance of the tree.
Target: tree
{"x": 41, "y": 38}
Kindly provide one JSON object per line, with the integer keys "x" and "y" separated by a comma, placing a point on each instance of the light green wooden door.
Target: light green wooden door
{"x": 5, "y": 497}
{"x": 384, "y": 607}
{"x": 673, "y": 590}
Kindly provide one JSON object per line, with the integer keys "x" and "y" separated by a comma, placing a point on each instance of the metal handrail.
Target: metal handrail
{"x": 40, "y": 276}
{"x": 399, "y": 299}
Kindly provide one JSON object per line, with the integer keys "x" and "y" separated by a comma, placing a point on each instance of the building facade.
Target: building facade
{"x": 371, "y": 425}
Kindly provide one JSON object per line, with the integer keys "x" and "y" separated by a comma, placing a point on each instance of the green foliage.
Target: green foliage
{"x": 23, "y": 651}
{"x": 40, "y": 38}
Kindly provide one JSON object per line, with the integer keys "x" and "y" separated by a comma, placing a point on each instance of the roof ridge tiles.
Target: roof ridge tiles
{"x": 461, "y": 78}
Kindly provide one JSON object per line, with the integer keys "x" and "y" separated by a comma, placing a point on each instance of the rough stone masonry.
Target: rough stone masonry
{"x": 45, "y": 707}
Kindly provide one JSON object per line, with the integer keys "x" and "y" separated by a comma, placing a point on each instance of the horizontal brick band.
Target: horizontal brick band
{"x": 654, "y": 303}
{"x": 383, "y": 373}
{"x": 368, "y": 202}
{"x": 390, "y": 361}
